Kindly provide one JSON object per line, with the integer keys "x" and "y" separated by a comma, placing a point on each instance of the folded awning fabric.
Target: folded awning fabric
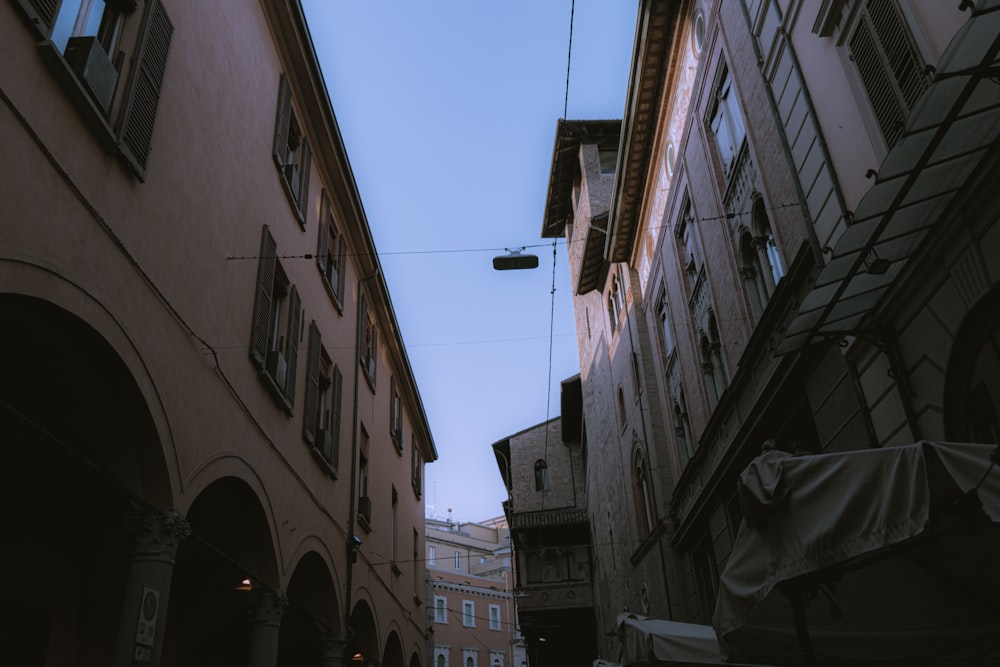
{"x": 894, "y": 552}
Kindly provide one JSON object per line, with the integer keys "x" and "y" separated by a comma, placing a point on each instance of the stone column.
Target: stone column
{"x": 143, "y": 616}
{"x": 332, "y": 649}
{"x": 266, "y": 608}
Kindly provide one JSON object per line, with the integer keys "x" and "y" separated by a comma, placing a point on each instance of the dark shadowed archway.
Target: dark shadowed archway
{"x": 312, "y": 620}
{"x": 363, "y": 636}
{"x": 228, "y": 561}
{"x": 81, "y": 456}
{"x": 392, "y": 656}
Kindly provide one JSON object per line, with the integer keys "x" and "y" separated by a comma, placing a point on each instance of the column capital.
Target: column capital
{"x": 332, "y": 648}
{"x": 158, "y": 533}
{"x": 267, "y": 605}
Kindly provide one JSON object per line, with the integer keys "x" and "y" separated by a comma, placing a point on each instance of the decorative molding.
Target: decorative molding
{"x": 158, "y": 534}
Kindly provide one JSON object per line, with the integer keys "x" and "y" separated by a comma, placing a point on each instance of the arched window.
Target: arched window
{"x": 534, "y": 567}
{"x": 765, "y": 244}
{"x": 641, "y": 493}
{"x": 752, "y": 273}
{"x": 441, "y": 661}
{"x": 712, "y": 389}
{"x": 622, "y": 414}
{"x": 680, "y": 428}
{"x": 567, "y": 565}
{"x": 541, "y": 475}
{"x": 612, "y": 313}
{"x": 971, "y": 388}
{"x": 715, "y": 344}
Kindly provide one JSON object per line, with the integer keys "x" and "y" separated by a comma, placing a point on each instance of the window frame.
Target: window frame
{"x": 331, "y": 252}
{"x": 136, "y": 103}
{"x": 293, "y": 172}
{"x": 275, "y": 355}
{"x": 440, "y": 605}
{"x": 726, "y": 122}
{"x": 495, "y": 623}
{"x": 321, "y": 412}
{"x": 395, "y": 416}
{"x": 469, "y": 613}
{"x": 368, "y": 354}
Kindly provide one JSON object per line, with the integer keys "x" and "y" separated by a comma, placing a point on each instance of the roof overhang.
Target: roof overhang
{"x": 593, "y": 266}
{"x": 653, "y": 60}
{"x": 952, "y": 131}
{"x": 565, "y": 170}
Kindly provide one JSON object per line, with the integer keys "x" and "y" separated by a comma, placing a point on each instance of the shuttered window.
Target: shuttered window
{"x": 81, "y": 47}
{"x": 330, "y": 249}
{"x": 321, "y": 409}
{"x": 275, "y": 325}
{"x": 291, "y": 152}
{"x": 889, "y": 65}
{"x": 139, "y": 108}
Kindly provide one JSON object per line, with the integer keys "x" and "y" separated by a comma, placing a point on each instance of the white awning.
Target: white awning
{"x": 952, "y": 129}
{"x": 648, "y": 642}
{"x": 894, "y": 552}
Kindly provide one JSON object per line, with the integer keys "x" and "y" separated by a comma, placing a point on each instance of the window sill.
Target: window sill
{"x": 328, "y": 467}
{"x": 365, "y": 525}
{"x": 276, "y": 392}
{"x": 78, "y": 96}
{"x": 368, "y": 376}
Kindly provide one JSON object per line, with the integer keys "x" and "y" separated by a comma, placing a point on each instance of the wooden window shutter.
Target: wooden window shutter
{"x": 322, "y": 251}
{"x": 292, "y": 349}
{"x": 139, "y": 108}
{"x": 302, "y": 196}
{"x": 282, "y": 121}
{"x": 889, "y": 65}
{"x": 337, "y": 384}
{"x": 341, "y": 266}
{"x": 311, "y": 411}
{"x": 262, "y": 301}
{"x": 40, "y": 13}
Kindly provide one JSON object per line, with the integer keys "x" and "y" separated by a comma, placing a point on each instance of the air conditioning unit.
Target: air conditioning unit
{"x": 87, "y": 58}
{"x": 365, "y": 508}
{"x": 277, "y": 367}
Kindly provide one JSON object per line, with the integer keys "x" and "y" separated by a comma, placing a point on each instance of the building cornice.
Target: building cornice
{"x": 654, "y": 63}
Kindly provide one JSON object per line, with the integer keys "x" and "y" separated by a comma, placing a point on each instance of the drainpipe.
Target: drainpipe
{"x": 353, "y": 543}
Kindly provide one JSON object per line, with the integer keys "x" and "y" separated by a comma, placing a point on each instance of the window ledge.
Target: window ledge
{"x": 78, "y": 96}
{"x": 328, "y": 467}
{"x": 363, "y": 522}
{"x": 276, "y": 392}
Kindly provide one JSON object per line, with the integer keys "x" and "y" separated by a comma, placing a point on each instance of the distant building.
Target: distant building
{"x": 472, "y": 605}
{"x": 543, "y": 470}
{"x": 213, "y": 440}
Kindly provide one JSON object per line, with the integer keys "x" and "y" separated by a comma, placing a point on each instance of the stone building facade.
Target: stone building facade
{"x": 794, "y": 245}
{"x": 472, "y": 595}
{"x": 543, "y": 470}
{"x": 214, "y": 441}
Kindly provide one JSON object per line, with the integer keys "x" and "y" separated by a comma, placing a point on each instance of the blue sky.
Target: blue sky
{"x": 448, "y": 110}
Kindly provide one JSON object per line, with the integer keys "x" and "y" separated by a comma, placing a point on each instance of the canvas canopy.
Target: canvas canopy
{"x": 649, "y": 642}
{"x": 878, "y": 557}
